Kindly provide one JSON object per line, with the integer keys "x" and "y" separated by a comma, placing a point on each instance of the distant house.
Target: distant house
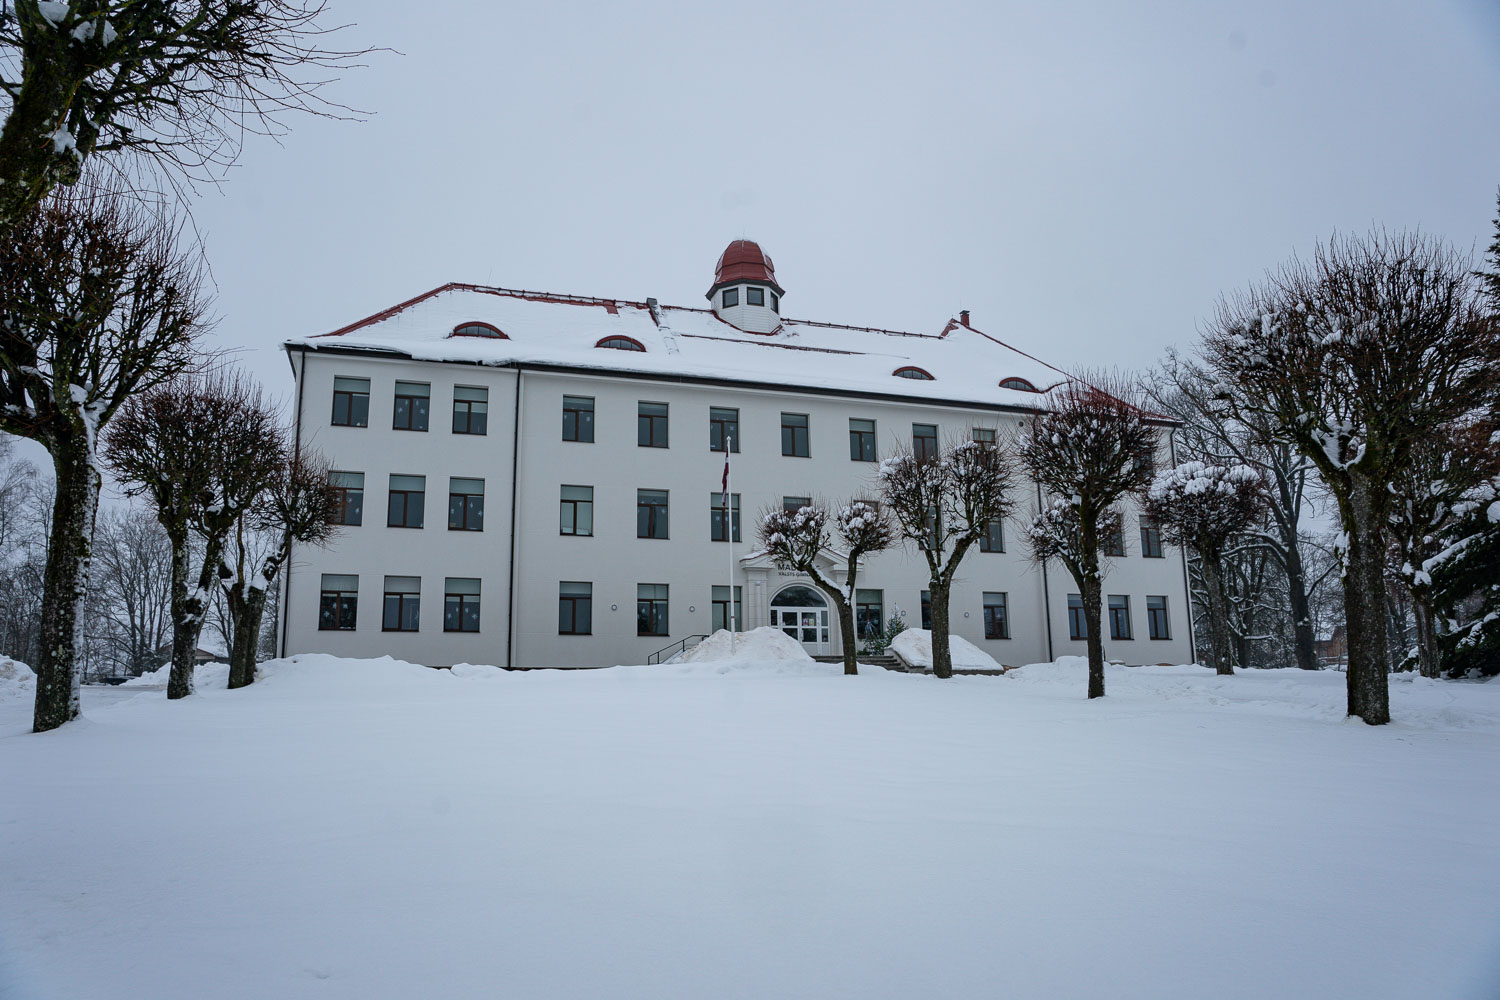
{"x": 1333, "y": 649}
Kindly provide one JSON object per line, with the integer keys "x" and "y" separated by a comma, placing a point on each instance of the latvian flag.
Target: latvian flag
{"x": 724, "y": 499}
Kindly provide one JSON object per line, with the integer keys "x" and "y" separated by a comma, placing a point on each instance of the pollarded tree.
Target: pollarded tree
{"x": 793, "y": 540}
{"x": 178, "y": 82}
{"x": 943, "y": 505}
{"x": 201, "y": 451}
{"x": 1360, "y": 356}
{"x": 1090, "y": 450}
{"x": 97, "y": 304}
{"x": 1203, "y": 507}
{"x": 295, "y": 506}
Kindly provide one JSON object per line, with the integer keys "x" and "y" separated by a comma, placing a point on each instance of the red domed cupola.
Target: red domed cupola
{"x": 745, "y": 293}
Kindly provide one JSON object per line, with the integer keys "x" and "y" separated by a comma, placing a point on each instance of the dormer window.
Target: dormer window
{"x": 477, "y": 329}
{"x": 730, "y": 297}
{"x": 755, "y": 296}
{"x": 621, "y": 344}
{"x": 911, "y": 371}
{"x": 1019, "y": 384}
{"x": 775, "y": 303}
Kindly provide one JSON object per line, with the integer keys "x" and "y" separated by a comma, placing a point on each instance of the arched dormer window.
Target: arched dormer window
{"x": 621, "y": 344}
{"x": 1018, "y": 383}
{"x": 478, "y": 329}
{"x": 911, "y": 371}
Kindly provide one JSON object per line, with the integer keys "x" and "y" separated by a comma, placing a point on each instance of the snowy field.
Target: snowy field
{"x": 376, "y": 830}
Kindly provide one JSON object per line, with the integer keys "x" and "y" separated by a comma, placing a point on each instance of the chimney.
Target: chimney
{"x": 963, "y": 316}
{"x": 655, "y": 309}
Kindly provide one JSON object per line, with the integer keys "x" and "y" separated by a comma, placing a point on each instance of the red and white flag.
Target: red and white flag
{"x": 724, "y": 499}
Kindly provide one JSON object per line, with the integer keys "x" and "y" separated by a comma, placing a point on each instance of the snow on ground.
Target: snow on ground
{"x": 372, "y": 829}
{"x": 761, "y": 650}
{"x": 914, "y": 646}
{"x": 17, "y": 681}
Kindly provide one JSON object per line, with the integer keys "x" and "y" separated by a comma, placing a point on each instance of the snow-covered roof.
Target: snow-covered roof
{"x": 539, "y": 328}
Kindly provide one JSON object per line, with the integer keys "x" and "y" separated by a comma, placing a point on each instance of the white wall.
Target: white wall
{"x": 614, "y": 560}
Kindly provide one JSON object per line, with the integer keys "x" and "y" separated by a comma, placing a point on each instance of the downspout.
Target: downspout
{"x": 1187, "y": 585}
{"x": 1046, "y": 590}
{"x": 286, "y": 587}
{"x": 515, "y": 460}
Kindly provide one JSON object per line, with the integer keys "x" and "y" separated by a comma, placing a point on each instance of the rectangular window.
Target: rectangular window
{"x": 578, "y": 418}
{"x": 793, "y": 504}
{"x": 412, "y": 401}
{"x": 1156, "y": 618}
{"x": 716, "y": 516}
{"x": 465, "y": 504}
{"x": 348, "y": 489}
{"x": 1078, "y": 623}
{"x": 927, "y": 609}
{"x": 794, "y": 435}
{"x": 996, "y": 616}
{"x": 651, "y": 425}
{"x": 1113, "y": 544}
{"x": 775, "y": 303}
{"x": 338, "y": 603}
{"x": 993, "y": 539}
{"x": 720, "y": 618}
{"x": 471, "y": 406}
{"x": 723, "y": 425}
{"x": 861, "y": 440}
{"x": 924, "y": 445}
{"x": 403, "y": 604}
{"x": 984, "y": 436}
{"x": 651, "y": 513}
{"x": 755, "y": 296}
{"x": 351, "y": 402}
{"x": 869, "y": 614}
{"x": 408, "y": 497}
{"x": 576, "y": 515}
{"x": 1150, "y": 539}
{"x": 1119, "y": 616}
{"x": 460, "y": 604}
{"x": 730, "y": 297}
{"x": 575, "y": 608}
{"x": 651, "y": 609}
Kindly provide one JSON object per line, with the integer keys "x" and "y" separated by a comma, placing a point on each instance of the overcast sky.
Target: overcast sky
{"x": 1085, "y": 177}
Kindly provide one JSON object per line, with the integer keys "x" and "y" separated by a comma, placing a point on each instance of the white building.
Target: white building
{"x": 533, "y": 479}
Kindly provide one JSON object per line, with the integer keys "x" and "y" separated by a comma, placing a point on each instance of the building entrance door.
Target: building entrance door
{"x": 802, "y": 613}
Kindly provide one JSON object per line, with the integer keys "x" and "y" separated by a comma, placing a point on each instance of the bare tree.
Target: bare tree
{"x": 201, "y": 451}
{"x": 1203, "y": 507}
{"x": 1360, "y": 356}
{"x": 132, "y": 593}
{"x": 295, "y": 506}
{"x": 1089, "y": 450}
{"x": 178, "y": 82}
{"x": 794, "y": 540}
{"x": 1218, "y": 430}
{"x": 97, "y": 304}
{"x": 944, "y": 505}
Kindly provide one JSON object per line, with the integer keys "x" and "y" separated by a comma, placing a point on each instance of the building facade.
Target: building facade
{"x": 535, "y": 480}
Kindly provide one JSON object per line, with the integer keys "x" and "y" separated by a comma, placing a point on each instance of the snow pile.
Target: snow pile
{"x": 16, "y": 680}
{"x": 205, "y": 676}
{"x": 761, "y": 650}
{"x": 914, "y": 647}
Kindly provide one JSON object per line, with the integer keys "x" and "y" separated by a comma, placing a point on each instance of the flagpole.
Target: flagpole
{"x": 729, "y": 534}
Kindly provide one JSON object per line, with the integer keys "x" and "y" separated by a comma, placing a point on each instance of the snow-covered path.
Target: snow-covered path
{"x": 371, "y": 830}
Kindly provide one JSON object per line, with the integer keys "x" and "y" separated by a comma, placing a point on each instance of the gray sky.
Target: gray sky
{"x": 1085, "y": 177}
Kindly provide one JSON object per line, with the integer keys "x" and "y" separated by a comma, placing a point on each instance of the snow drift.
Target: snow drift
{"x": 914, "y": 646}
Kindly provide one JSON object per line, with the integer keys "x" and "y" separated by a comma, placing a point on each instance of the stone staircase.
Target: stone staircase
{"x": 885, "y": 660}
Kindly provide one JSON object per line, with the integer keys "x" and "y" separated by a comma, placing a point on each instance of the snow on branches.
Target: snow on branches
{"x": 1204, "y": 505}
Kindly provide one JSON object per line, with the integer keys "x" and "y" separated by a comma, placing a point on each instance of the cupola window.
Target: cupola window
{"x": 1019, "y": 384}
{"x": 731, "y": 297}
{"x": 477, "y": 329}
{"x": 911, "y": 371}
{"x": 755, "y": 296}
{"x": 775, "y": 303}
{"x": 621, "y": 344}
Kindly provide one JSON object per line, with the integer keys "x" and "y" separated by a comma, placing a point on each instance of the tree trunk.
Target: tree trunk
{"x": 188, "y": 611}
{"x": 30, "y": 163}
{"x": 1218, "y": 611}
{"x": 1429, "y": 653}
{"x": 942, "y": 655}
{"x": 65, "y": 583}
{"x": 247, "y": 612}
{"x": 1365, "y": 608}
{"x": 1092, "y": 588}
{"x": 1303, "y": 636}
{"x": 846, "y": 636}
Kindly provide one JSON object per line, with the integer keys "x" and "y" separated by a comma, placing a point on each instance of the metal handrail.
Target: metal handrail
{"x": 674, "y": 649}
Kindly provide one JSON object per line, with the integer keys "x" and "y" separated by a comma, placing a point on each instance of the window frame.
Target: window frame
{"x": 723, "y": 426}
{"x": 862, "y": 608}
{"x": 653, "y": 602}
{"x": 805, "y": 439}
{"x": 578, "y": 423}
{"x": 752, "y": 292}
{"x": 651, "y": 516}
{"x": 564, "y": 502}
{"x": 464, "y": 599}
{"x": 924, "y": 452}
{"x": 352, "y": 395}
{"x": 620, "y": 342}
{"x": 716, "y": 517}
{"x": 406, "y": 495}
{"x": 1151, "y": 618}
{"x": 572, "y": 602}
{"x": 857, "y": 440}
{"x": 495, "y": 333}
{"x": 468, "y": 507}
{"x": 648, "y": 429}
{"x": 721, "y": 608}
{"x": 1151, "y": 544}
{"x": 991, "y": 629}
{"x": 468, "y": 411}
{"x": 924, "y": 600}
{"x": 789, "y": 507}
{"x": 994, "y": 530}
{"x": 402, "y": 599}
{"x": 1116, "y": 633}
{"x": 1078, "y": 619}
{"x": 342, "y": 495}
{"x": 1113, "y": 544}
{"x": 914, "y": 373}
{"x": 411, "y": 408}
{"x": 729, "y": 298}
{"x": 344, "y": 600}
